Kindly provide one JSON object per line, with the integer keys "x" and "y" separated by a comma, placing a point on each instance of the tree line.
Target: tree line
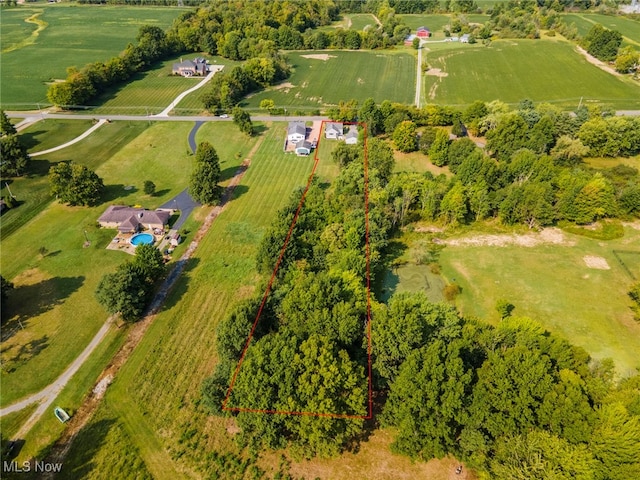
{"x": 308, "y": 353}
{"x": 530, "y": 171}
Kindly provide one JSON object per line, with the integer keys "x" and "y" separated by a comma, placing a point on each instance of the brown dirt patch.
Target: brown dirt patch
{"x": 375, "y": 460}
{"x": 436, "y": 72}
{"x": 319, "y": 56}
{"x": 594, "y": 61}
{"x": 598, "y": 263}
{"x": 548, "y": 236}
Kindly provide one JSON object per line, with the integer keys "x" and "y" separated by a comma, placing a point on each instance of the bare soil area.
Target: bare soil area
{"x": 598, "y": 263}
{"x": 319, "y": 56}
{"x": 547, "y": 236}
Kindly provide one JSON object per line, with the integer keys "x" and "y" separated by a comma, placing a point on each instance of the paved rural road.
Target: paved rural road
{"x": 144, "y": 118}
{"x": 419, "y": 75}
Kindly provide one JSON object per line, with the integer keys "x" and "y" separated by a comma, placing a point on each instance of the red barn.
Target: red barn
{"x": 423, "y": 32}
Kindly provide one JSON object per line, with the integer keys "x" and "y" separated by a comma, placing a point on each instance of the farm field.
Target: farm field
{"x": 468, "y": 73}
{"x": 552, "y": 284}
{"x": 73, "y": 36}
{"x": 627, "y": 27}
{"x": 362, "y": 74}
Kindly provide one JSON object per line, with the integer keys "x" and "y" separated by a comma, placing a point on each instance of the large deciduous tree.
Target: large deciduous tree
{"x": 405, "y": 137}
{"x": 243, "y": 120}
{"x": 75, "y": 184}
{"x": 603, "y": 43}
{"x": 125, "y": 292}
{"x": 203, "y": 186}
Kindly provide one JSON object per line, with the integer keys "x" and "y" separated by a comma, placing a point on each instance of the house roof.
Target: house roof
{"x": 184, "y": 64}
{"x": 352, "y": 133}
{"x": 303, "y": 144}
{"x": 334, "y": 126}
{"x": 297, "y": 127}
{"x": 422, "y": 28}
{"x": 126, "y": 216}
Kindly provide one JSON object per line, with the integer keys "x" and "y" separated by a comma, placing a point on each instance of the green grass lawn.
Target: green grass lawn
{"x": 32, "y": 190}
{"x": 50, "y": 133}
{"x": 553, "y": 285}
{"x": 156, "y": 395}
{"x": 358, "y": 21}
{"x": 630, "y": 29}
{"x": 150, "y": 92}
{"x": 74, "y": 36}
{"x": 65, "y": 279}
{"x": 507, "y": 70}
{"x": 363, "y": 74}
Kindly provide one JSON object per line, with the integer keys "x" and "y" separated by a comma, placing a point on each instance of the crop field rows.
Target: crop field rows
{"x": 69, "y": 39}
{"x": 544, "y": 71}
{"x": 314, "y": 81}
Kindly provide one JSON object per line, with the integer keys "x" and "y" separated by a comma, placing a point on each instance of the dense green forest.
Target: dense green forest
{"x": 513, "y": 401}
{"x": 530, "y": 171}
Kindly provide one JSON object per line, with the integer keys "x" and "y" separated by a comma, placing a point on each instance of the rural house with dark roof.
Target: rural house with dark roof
{"x": 132, "y": 220}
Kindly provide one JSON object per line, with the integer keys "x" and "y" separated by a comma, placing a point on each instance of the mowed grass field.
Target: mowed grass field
{"x": 73, "y": 36}
{"x": 52, "y": 289}
{"x": 629, "y": 28}
{"x": 553, "y": 285}
{"x": 153, "y": 410}
{"x": 150, "y": 92}
{"x": 510, "y": 70}
{"x": 32, "y": 191}
{"x": 316, "y": 83}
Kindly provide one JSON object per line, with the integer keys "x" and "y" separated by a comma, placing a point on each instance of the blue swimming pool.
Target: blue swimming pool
{"x": 142, "y": 239}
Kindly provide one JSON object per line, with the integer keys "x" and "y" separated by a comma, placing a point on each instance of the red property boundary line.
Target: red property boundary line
{"x": 273, "y": 276}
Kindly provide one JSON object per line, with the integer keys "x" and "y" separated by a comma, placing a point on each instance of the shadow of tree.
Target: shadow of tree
{"x": 29, "y": 140}
{"x": 87, "y": 444}
{"x": 112, "y": 192}
{"x": 29, "y": 301}
{"x": 25, "y": 353}
{"x": 174, "y": 295}
{"x": 228, "y": 173}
